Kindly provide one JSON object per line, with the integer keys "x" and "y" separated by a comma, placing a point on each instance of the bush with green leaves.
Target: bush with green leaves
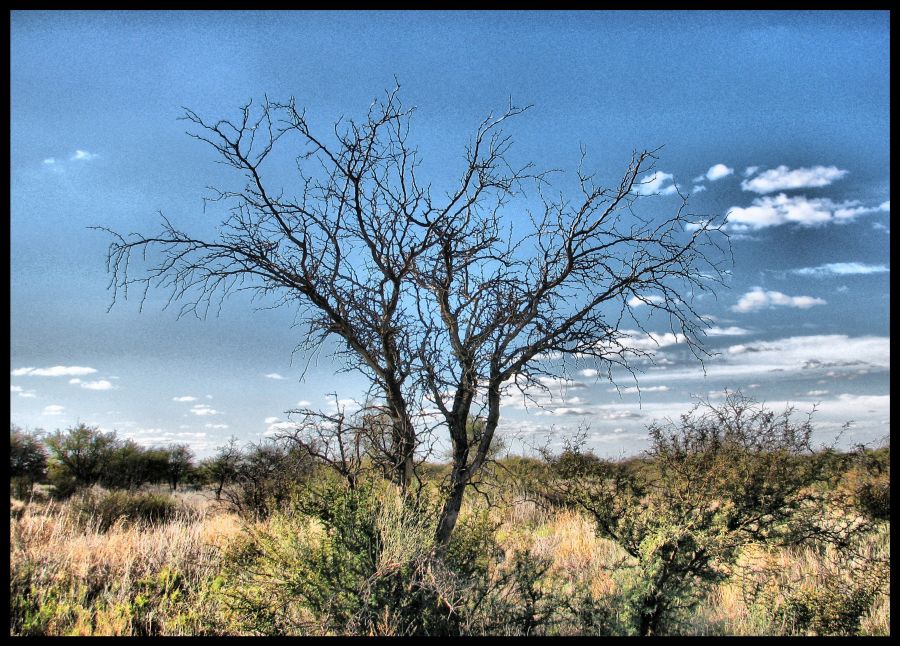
{"x": 719, "y": 479}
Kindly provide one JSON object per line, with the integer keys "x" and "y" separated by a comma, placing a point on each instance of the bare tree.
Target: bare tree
{"x": 440, "y": 301}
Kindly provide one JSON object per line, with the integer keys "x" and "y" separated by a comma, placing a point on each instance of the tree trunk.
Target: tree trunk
{"x": 450, "y": 511}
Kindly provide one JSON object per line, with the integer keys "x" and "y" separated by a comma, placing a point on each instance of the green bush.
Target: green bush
{"x": 105, "y": 510}
{"x": 829, "y": 609}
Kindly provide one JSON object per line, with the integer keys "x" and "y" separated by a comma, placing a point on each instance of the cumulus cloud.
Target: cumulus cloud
{"x": 774, "y": 211}
{"x": 718, "y": 171}
{"x": 276, "y": 427}
{"x": 186, "y": 398}
{"x": 638, "y": 301}
{"x": 783, "y": 178}
{"x": 731, "y": 330}
{"x": 274, "y": 375}
{"x": 588, "y": 372}
{"x": 271, "y": 420}
{"x": 759, "y": 299}
{"x": 101, "y": 384}
{"x": 55, "y": 371}
{"x": 203, "y": 410}
{"x": 22, "y": 392}
{"x": 840, "y": 269}
{"x": 303, "y": 403}
{"x": 657, "y": 183}
{"x": 53, "y": 409}
{"x": 83, "y": 155}
{"x": 698, "y": 188}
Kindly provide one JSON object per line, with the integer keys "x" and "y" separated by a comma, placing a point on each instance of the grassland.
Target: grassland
{"x": 177, "y": 577}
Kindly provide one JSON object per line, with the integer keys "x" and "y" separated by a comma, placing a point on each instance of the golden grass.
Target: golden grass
{"x": 120, "y": 582}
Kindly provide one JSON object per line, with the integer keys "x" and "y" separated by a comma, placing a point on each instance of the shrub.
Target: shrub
{"x": 105, "y": 510}
{"x": 719, "y": 479}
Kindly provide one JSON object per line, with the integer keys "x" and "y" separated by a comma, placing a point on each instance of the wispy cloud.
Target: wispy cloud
{"x": 22, "y": 392}
{"x": 772, "y": 211}
{"x": 53, "y": 409}
{"x": 216, "y": 426}
{"x": 274, "y": 375}
{"x": 759, "y": 299}
{"x": 783, "y": 178}
{"x": 657, "y": 183}
{"x": 698, "y": 188}
{"x": 750, "y": 170}
{"x": 185, "y": 398}
{"x": 304, "y": 403}
{"x": 55, "y": 371}
{"x": 634, "y": 390}
{"x": 840, "y": 269}
{"x": 718, "y": 171}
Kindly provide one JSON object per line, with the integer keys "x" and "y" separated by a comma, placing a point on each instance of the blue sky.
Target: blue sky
{"x": 780, "y": 120}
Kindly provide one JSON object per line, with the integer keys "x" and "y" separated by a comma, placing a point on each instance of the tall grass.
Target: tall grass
{"x": 69, "y": 577}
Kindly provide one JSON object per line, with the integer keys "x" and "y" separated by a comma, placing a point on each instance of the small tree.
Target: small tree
{"x": 27, "y": 461}
{"x": 180, "y": 462}
{"x": 719, "y": 479}
{"x": 222, "y": 468}
{"x": 80, "y": 455}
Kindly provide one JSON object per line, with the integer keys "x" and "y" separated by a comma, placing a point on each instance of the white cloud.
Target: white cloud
{"x": 638, "y": 301}
{"x": 75, "y": 380}
{"x": 758, "y": 299}
{"x": 274, "y": 375}
{"x": 750, "y": 170}
{"x": 588, "y": 372}
{"x": 203, "y": 410}
{"x": 731, "y": 330}
{"x": 634, "y": 390}
{"x": 21, "y": 392}
{"x": 840, "y": 269}
{"x": 698, "y": 188}
{"x": 53, "y": 409}
{"x": 816, "y": 393}
{"x": 186, "y": 398}
{"x": 772, "y": 211}
{"x": 655, "y": 183}
{"x": 271, "y": 420}
{"x": 651, "y": 341}
{"x": 101, "y": 384}
{"x": 215, "y": 426}
{"x": 885, "y": 206}
{"x": 303, "y": 403}
{"x": 83, "y": 155}
{"x": 55, "y": 371}
{"x": 783, "y": 178}
{"x": 718, "y": 172}
{"x": 812, "y": 356}
{"x": 279, "y": 427}
{"x": 50, "y": 161}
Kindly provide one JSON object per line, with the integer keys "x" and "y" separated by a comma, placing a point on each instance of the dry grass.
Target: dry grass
{"x": 142, "y": 579}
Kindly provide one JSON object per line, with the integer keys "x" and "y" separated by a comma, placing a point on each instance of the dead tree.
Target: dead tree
{"x": 439, "y": 301}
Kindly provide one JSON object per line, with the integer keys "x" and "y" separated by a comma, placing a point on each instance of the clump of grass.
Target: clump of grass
{"x": 68, "y": 578}
{"x": 104, "y": 510}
